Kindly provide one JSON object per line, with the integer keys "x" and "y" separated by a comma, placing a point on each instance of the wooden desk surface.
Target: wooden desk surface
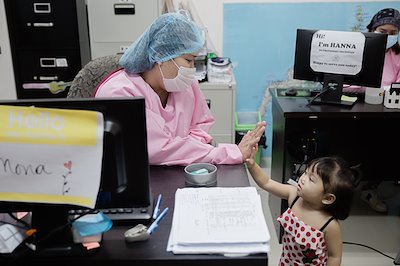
{"x": 297, "y": 106}
{"x": 115, "y": 251}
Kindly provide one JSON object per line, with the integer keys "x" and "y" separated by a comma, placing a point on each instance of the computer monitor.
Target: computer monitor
{"x": 335, "y": 58}
{"x": 124, "y": 191}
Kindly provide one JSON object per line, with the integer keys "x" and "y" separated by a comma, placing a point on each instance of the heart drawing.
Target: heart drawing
{"x": 68, "y": 165}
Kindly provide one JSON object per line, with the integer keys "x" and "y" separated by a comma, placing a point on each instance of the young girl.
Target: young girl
{"x": 323, "y": 195}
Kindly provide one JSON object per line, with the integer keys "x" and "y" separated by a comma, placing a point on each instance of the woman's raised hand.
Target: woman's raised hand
{"x": 250, "y": 141}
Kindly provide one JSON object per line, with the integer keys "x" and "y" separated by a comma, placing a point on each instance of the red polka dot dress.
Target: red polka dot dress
{"x": 302, "y": 243}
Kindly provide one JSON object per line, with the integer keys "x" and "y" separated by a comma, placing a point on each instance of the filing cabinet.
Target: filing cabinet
{"x": 221, "y": 98}
{"x": 115, "y": 24}
{"x": 7, "y": 90}
{"x": 49, "y": 42}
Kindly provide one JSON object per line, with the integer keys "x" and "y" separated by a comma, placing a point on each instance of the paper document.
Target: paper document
{"x": 50, "y": 155}
{"x": 218, "y": 220}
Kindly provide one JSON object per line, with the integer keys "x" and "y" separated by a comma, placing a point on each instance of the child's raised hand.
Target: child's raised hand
{"x": 251, "y": 160}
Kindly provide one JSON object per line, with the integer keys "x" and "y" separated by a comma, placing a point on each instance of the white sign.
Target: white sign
{"x": 50, "y": 155}
{"x": 337, "y": 52}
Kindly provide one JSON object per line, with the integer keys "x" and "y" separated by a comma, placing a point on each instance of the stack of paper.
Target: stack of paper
{"x": 219, "y": 220}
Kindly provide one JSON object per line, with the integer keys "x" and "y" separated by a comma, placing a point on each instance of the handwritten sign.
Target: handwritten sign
{"x": 50, "y": 155}
{"x": 337, "y": 52}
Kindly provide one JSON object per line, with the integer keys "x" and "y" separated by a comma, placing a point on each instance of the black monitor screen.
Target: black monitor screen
{"x": 370, "y": 62}
{"x": 124, "y": 187}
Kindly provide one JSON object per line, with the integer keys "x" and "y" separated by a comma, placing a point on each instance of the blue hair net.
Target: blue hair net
{"x": 169, "y": 36}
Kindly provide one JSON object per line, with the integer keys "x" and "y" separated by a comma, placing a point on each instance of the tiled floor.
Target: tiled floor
{"x": 364, "y": 226}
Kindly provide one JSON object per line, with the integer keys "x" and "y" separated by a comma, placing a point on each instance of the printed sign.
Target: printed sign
{"x": 337, "y": 52}
{"x": 50, "y": 155}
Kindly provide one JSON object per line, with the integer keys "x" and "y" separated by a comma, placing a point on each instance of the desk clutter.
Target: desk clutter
{"x": 141, "y": 232}
{"x": 374, "y": 95}
{"x": 86, "y": 231}
{"x": 201, "y": 174}
{"x": 388, "y": 95}
{"x": 392, "y": 96}
{"x": 10, "y": 238}
{"x": 218, "y": 220}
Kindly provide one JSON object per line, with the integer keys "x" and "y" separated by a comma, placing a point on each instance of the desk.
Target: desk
{"x": 362, "y": 134}
{"x": 115, "y": 251}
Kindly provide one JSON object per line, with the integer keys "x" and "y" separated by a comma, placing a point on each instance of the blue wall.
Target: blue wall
{"x": 260, "y": 40}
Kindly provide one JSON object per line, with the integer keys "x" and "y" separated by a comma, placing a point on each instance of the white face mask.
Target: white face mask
{"x": 391, "y": 40}
{"x": 182, "y": 81}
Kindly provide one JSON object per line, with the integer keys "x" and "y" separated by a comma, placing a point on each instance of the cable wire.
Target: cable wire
{"x": 327, "y": 88}
{"x": 61, "y": 227}
{"x": 19, "y": 220}
{"x": 362, "y": 245}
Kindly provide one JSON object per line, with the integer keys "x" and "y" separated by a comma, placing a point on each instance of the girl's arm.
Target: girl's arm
{"x": 265, "y": 182}
{"x": 333, "y": 239}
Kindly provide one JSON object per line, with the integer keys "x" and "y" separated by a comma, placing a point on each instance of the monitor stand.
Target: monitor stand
{"x": 54, "y": 235}
{"x": 340, "y": 103}
{"x": 331, "y": 93}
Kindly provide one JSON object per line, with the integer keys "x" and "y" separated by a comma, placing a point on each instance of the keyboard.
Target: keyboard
{"x": 122, "y": 215}
{"x": 354, "y": 92}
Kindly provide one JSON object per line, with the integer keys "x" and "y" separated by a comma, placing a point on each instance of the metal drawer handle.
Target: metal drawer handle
{"x": 43, "y": 24}
{"x": 48, "y": 62}
{"x": 48, "y": 78}
{"x": 41, "y": 7}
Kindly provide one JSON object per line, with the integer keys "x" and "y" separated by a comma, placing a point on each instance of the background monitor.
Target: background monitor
{"x": 370, "y": 74}
{"x": 124, "y": 191}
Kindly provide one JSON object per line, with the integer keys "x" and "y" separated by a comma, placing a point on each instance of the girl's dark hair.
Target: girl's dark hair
{"x": 339, "y": 179}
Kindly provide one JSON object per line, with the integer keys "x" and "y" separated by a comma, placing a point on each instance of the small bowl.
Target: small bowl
{"x": 201, "y": 175}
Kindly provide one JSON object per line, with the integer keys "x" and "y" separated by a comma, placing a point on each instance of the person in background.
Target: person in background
{"x": 159, "y": 66}
{"x": 386, "y": 21}
{"x": 322, "y": 196}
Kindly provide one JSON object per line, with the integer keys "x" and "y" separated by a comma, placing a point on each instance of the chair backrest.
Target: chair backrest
{"x": 91, "y": 75}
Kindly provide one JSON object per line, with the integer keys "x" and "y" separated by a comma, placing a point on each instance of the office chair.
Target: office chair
{"x": 87, "y": 79}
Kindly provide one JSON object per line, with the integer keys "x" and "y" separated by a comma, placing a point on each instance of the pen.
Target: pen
{"x": 157, "y": 207}
{"x": 154, "y": 225}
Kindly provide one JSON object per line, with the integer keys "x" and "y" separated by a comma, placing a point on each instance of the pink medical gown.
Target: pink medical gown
{"x": 391, "y": 70}
{"x": 178, "y": 133}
